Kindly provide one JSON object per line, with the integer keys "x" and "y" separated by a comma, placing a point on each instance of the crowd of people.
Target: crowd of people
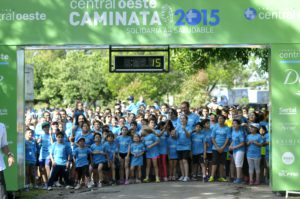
{"x": 146, "y": 143}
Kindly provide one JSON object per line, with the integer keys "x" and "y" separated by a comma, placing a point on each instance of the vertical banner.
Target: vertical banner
{"x": 285, "y": 136}
{"x": 8, "y": 110}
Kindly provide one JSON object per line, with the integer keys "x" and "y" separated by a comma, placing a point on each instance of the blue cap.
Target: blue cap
{"x": 80, "y": 138}
{"x": 130, "y": 98}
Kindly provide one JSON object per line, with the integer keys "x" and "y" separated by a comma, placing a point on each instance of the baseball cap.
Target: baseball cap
{"x": 255, "y": 125}
{"x": 45, "y": 124}
{"x": 80, "y": 138}
{"x": 130, "y": 98}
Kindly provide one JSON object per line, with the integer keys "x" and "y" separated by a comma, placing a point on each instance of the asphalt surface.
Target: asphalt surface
{"x": 170, "y": 190}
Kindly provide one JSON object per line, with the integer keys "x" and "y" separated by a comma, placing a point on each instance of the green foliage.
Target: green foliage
{"x": 62, "y": 76}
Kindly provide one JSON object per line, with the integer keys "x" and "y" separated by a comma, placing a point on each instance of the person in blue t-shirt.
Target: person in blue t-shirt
{"x": 111, "y": 148}
{"x": 198, "y": 150}
{"x": 151, "y": 142}
{"x": 137, "y": 150}
{"x": 30, "y": 157}
{"x": 254, "y": 143}
{"x": 238, "y": 147}
{"x": 266, "y": 145}
{"x": 44, "y": 158}
{"x": 100, "y": 158}
{"x": 124, "y": 141}
{"x": 183, "y": 134}
{"x": 192, "y": 117}
{"x": 207, "y": 132}
{"x": 86, "y": 134}
{"x": 60, "y": 156}
{"x": 82, "y": 156}
{"x": 172, "y": 150}
{"x": 220, "y": 139}
{"x": 162, "y": 134}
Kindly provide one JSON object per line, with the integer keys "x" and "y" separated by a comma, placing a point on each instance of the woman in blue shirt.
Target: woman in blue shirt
{"x": 172, "y": 151}
{"x": 238, "y": 147}
{"x": 163, "y": 145}
{"x": 254, "y": 143}
{"x": 137, "y": 150}
{"x": 183, "y": 134}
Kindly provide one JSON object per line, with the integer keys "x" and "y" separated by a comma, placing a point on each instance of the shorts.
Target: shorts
{"x": 123, "y": 155}
{"x": 183, "y": 154}
{"x": 83, "y": 171}
{"x": 238, "y": 158}
{"x": 219, "y": 158}
{"x": 209, "y": 157}
{"x": 45, "y": 162}
{"x": 198, "y": 159}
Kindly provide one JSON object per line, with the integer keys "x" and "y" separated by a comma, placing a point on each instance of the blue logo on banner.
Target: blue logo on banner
{"x": 193, "y": 17}
{"x": 250, "y": 14}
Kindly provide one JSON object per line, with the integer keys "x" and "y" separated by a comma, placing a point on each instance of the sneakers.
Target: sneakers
{"x": 126, "y": 182}
{"x": 222, "y": 180}
{"x": 78, "y": 186}
{"x": 186, "y": 179}
{"x": 44, "y": 187}
{"x": 194, "y": 178}
{"x": 113, "y": 183}
{"x": 237, "y": 181}
{"x": 89, "y": 185}
{"x": 256, "y": 182}
{"x": 57, "y": 184}
{"x": 69, "y": 187}
{"x": 146, "y": 180}
{"x": 173, "y": 178}
{"x": 165, "y": 179}
{"x": 211, "y": 179}
{"x": 137, "y": 181}
{"x": 181, "y": 178}
{"x": 251, "y": 182}
{"x": 49, "y": 188}
{"x": 157, "y": 180}
{"x": 170, "y": 178}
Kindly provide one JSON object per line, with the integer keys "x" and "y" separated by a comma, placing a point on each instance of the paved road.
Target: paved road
{"x": 170, "y": 190}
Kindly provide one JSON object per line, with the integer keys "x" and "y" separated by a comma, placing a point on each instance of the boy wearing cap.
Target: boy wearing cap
{"x": 60, "y": 155}
{"x": 81, "y": 155}
{"x": 44, "y": 159}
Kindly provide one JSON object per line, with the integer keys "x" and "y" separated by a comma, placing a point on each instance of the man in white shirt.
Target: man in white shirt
{"x": 10, "y": 160}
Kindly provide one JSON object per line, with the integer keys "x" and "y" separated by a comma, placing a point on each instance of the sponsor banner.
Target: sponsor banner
{"x": 8, "y": 110}
{"x": 148, "y": 22}
{"x": 285, "y": 81}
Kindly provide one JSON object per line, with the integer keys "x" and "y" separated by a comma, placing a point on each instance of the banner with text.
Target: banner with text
{"x": 285, "y": 91}
{"x": 8, "y": 110}
{"x": 148, "y": 22}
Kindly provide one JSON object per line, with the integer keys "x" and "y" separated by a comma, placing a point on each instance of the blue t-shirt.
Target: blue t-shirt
{"x": 81, "y": 156}
{"x": 254, "y": 151}
{"x": 111, "y": 148}
{"x": 175, "y": 122}
{"x": 163, "y": 143}
{"x": 208, "y": 140}
{"x": 172, "y": 148}
{"x": 78, "y": 131}
{"x": 149, "y": 140}
{"x": 30, "y": 151}
{"x": 89, "y": 138}
{"x": 267, "y": 139}
{"x": 60, "y": 153}
{"x": 98, "y": 158}
{"x": 45, "y": 146}
{"x": 220, "y": 134}
{"x": 136, "y": 149}
{"x": 183, "y": 142}
{"x": 198, "y": 142}
{"x": 124, "y": 143}
{"x": 237, "y": 138}
{"x": 116, "y": 130}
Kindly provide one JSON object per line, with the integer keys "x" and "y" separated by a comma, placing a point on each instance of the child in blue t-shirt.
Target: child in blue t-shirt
{"x": 137, "y": 150}
{"x": 60, "y": 155}
{"x": 151, "y": 142}
{"x": 254, "y": 142}
{"x": 30, "y": 156}
{"x": 172, "y": 152}
{"x": 81, "y": 155}
{"x": 124, "y": 141}
{"x": 99, "y": 159}
{"x": 208, "y": 139}
{"x": 198, "y": 150}
{"x": 111, "y": 148}
{"x": 163, "y": 148}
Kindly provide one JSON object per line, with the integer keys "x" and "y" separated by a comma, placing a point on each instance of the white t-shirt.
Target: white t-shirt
{"x": 3, "y": 142}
